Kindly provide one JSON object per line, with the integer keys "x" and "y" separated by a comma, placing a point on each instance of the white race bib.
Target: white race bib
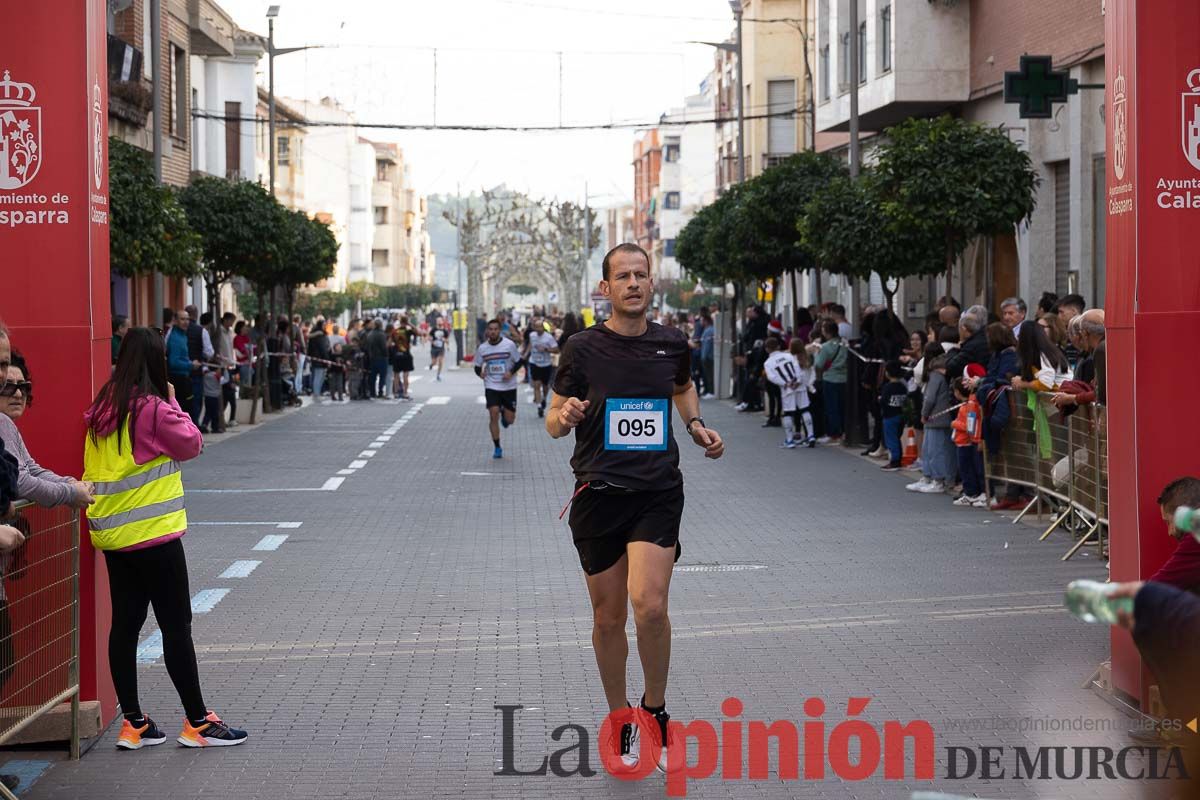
{"x": 635, "y": 424}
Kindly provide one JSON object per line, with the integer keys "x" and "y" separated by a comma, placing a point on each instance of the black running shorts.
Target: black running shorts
{"x": 504, "y": 398}
{"x": 604, "y": 521}
{"x": 540, "y": 374}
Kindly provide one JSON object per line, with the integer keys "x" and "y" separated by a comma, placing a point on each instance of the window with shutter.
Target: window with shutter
{"x": 1062, "y": 227}
{"x": 781, "y": 131}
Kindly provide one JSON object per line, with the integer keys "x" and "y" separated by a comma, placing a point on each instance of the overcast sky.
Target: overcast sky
{"x": 497, "y": 63}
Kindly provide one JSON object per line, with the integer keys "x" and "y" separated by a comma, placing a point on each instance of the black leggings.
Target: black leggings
{"x": 137, "y": 579}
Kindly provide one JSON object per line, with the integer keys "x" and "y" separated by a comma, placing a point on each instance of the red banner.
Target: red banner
{"x": 1152, "y": 308}
{"x": 54, "y": 288}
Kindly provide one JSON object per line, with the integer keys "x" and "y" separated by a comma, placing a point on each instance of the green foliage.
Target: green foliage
{"x": 243, "y": 229}
{"x": 149, "y": 229}
{"x": 772, "y": 203}
{"x": 847, "y": 228}
{"x": 681, "y": 294}
{"x": 309, "y": 252}
{"x": 691, "y": 246}
{"x": 407, "y": 295}
{"x": 521, "y": 289}
{"x": 247, "y": 305}
{"x": 954, "y": 180}
{"x": 324, "y": 304}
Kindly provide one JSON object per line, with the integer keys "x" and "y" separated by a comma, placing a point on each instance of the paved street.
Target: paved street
{"x": 393, "y": 584}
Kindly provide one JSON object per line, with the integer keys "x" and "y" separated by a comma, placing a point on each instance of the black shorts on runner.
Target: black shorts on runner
{"x": 504, "y": 398}
{"x": 604, "y": 521}
{"x": 540, "y": 374}
{"x": 402, "y": 362}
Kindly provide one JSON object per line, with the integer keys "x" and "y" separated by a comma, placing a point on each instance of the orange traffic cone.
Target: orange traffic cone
{"x": 909, "y": 440}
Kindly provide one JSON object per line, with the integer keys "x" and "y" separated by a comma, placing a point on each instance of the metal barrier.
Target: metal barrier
{"x": 39, "y": 621}
{"x": 1067, "y": 469}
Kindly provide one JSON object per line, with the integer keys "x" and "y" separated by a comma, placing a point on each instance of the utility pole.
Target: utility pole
{"x": 741, "y": 100}
{"x": 460, "y": 334}
{"x": 855, "y": 154}
{"x": 272, "y": 12}
{"x": 157, "y": 82}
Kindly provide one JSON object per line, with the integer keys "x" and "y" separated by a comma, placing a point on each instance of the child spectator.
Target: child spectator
{"x": 337, "y": 372}
{"x": 937, "y": 458}
{"x": 968, "y": 433}
{"x": 808, "y": 386}
{"x": 891, "y": 406}
{"x": 783, "y": 370}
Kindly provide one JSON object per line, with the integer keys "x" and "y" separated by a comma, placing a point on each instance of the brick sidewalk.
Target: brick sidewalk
{"x": 366, "y": 652}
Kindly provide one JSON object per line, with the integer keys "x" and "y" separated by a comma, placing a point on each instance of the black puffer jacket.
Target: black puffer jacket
{"x": 974, "y": 350}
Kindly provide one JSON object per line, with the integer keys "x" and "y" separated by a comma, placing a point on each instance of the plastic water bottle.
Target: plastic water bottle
{"x": 1091, "y": 601}
{"x": 971, "y": 420}
{"x": 1188, "y": 520}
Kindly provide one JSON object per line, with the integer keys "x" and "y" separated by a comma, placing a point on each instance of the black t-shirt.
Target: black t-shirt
{"x": 600, "y": 365}
{"x": 892, "y": 397}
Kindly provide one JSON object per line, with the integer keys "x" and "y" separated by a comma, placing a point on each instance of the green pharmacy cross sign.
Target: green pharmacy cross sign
{"x": 1037, "y": 86}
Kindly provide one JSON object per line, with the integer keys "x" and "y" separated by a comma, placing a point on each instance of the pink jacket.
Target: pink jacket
{"x": 161, "y": 429}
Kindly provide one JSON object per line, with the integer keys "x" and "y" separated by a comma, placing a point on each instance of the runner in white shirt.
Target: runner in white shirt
{"x": 497, "y": 361}
{"x": 542, "y": 347}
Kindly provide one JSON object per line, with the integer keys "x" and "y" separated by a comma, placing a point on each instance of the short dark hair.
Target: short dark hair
{"x": 624, "y": 247}
{"x": 999, "y": 337}
{"x": 949, "y": 335}
{"x": 495, "y": 322}
{"x": 893, "y": 369}
{"x": 1183, "y": 491}
{"x": 838, "y": 308}
{"x": 228, "y": 315}
{"x": 118, "y": 321}
{"x": 772, "y": 344}
{"x": 1074, "y": 300}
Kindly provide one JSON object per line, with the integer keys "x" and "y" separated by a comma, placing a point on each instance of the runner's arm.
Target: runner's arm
{"x": 687, "y": 403}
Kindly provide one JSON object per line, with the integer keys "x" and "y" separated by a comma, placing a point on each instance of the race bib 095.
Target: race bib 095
{"x": 635, "y": 424}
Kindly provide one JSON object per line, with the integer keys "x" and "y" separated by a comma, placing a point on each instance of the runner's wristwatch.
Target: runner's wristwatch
{"x": 695, "y": 419}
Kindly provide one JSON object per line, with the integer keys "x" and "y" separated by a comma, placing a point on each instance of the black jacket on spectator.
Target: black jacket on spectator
{"x": 195, "y": 339}
{"x": 318, "y": 345}
{"x": 974, "y": 350}
{"x": 8, "y": 479}
{"x": 376, "y": 345}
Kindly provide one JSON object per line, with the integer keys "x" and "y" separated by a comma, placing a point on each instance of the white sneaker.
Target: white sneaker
{"x": 964, "y": 500}
{"x": 933, "y": 487}
{"x": 918, "y": 486}
{"x": 879, "y": 452}
{"x": 708, "y": 396}
{"x": 824, "y": 440}
{"x": 741, "y": 406}
{"x": 982, "y": 501}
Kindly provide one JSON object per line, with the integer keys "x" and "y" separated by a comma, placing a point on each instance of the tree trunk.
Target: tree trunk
{"x": 817, "y": 274}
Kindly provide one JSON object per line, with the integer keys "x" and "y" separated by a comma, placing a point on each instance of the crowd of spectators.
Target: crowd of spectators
{"x": 948, "y": 388}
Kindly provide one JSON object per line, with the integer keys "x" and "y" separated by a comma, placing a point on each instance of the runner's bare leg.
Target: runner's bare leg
{"x": 494, "y": 421}
{"x": 649, "y": 581}
{"x": 610, "y": 609}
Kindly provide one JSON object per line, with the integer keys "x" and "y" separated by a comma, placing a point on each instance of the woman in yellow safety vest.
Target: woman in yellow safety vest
{"x": 137, "y": 436}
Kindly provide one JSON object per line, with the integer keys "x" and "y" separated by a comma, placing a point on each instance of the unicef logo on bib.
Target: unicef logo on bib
{"x": 635, "y": 424}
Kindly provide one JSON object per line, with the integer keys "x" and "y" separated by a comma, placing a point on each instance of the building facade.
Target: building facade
{"x": 1061, "y": 248}
{"x": 776, "y": 75}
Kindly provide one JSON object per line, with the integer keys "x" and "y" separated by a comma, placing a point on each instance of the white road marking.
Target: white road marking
{"x": 206, "y": 600}
{"x": 440, "y": 400}
{"x": 193, "y": 523}
{"x": 239, "y": 569}
{"x": 290, "y": 524}
{"x": 150, "y": 649}
{"x": 367, "y": 453}
{"x": 270, "y": 542}
{"x": 480, "y": 400}
{"x": 332, "y": 484}
{"x": 357, "y": 464}
{"x": 375, "y": 445}
{"x": 347, "y": 471}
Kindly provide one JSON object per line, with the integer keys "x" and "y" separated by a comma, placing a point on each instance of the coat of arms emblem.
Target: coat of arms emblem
{"x": 1120, "y": 115}
{"x": 1190, "y": 119}
{"x": 20, "y": 134}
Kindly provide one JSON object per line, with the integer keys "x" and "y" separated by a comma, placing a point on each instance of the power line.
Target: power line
{"x": 403, "y": 126}
{"x": 603, "y": 12}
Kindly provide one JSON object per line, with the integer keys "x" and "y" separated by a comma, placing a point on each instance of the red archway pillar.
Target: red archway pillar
{"x": 1152, "y": 115}
{"x": 54, "y": 279}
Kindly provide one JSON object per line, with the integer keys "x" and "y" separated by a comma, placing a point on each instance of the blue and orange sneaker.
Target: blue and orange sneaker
{"x": 497, "y": 453}
{"x": 135, "y": 737}
{"x": 212, "y": 733}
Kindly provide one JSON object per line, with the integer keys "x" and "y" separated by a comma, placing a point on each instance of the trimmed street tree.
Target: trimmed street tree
{"x": 847, "y": 228}
{"x": 149, "y": 229}
{"x": 310, "y": 254}
{"x": 242, "y": 229}
{"x": 951, "y": 181}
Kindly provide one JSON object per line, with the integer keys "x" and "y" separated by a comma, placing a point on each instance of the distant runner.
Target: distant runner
{"x": 615, "y": 387}
{"x": 497, "y": 361}
{"x": 542, "y": 347}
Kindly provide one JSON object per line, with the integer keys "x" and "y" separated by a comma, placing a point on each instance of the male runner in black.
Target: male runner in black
{"x": 616, "y": 382}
